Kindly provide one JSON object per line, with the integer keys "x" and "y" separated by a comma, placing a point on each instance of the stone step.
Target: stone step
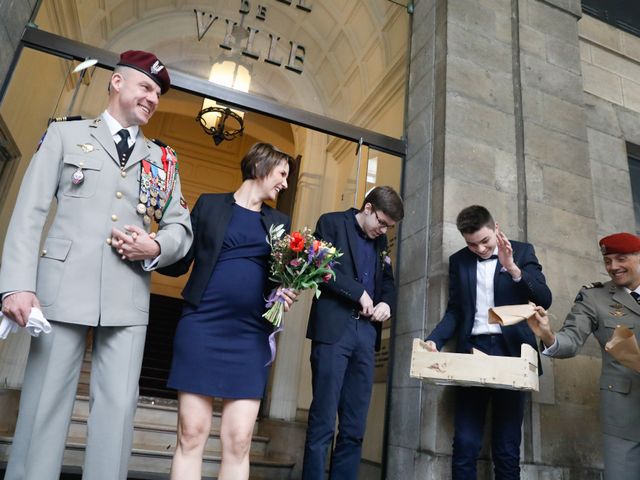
{"x": 154, "y": 464}
{"x": 163, "y": 438}
{"x": 159, "y": 413}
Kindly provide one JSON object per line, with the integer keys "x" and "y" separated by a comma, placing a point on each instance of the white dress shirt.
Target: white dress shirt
{"x": 485, "y": 272}
{"x": 114, "y": 127}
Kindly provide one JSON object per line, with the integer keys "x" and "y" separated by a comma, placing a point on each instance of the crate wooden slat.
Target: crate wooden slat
{"x": 475, "y": 369}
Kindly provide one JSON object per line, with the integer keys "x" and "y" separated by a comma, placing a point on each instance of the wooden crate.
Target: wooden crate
{"x": 475, "y": 369}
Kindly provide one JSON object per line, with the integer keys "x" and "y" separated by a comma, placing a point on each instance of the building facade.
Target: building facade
{"x": 529, "y": 107}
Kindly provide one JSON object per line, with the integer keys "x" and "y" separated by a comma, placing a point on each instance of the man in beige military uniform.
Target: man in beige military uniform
{"x": 597, "y": 310}
{"x": 92, "y": 271}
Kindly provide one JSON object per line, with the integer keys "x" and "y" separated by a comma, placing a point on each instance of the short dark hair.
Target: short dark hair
{"x": 473, "y": 218}
{"x": 261, "y": 159}
{"x": 385, "y": 199}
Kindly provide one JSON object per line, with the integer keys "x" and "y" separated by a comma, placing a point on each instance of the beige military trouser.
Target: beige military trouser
{"x": 48, "y": 395}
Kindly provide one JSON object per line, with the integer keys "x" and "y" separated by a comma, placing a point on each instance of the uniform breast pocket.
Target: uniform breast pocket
{"x": 614, "y": 322}
{"x": 80, "y": 175}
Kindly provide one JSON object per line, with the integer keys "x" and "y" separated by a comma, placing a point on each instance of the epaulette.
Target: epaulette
{"x": 160, "y": 143}
{"x": 593, "y": 285}
{"x": 64, "y": 119}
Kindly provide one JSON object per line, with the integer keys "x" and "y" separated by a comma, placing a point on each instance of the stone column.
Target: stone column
{"x": 287, "y": 370}
{"x": 495, "y": 116}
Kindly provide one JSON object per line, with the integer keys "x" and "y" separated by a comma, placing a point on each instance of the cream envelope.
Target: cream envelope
{"x": 623, "y": 346}
{"x": 511, "y": 314}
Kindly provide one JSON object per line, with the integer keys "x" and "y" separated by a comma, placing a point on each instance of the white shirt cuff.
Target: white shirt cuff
{"x": 149, "y": 264}
{"x": 551, "y": 350}
{"x": 517, "y": 279}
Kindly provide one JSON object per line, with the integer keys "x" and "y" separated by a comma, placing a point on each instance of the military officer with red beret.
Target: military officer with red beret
{"x": 598, "y": 309}
{"x": 93, "y": 271}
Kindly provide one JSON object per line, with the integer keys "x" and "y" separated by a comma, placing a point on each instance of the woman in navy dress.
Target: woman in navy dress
{"x": 221, "y": 346}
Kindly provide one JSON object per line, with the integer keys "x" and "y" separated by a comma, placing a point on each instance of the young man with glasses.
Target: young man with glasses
{"x": 344, "y": 326}
{"x": 490, "y": 271}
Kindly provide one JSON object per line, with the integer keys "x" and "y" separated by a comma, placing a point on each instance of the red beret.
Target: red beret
{"x": 620, "y": 243}
{"x": 148, "y": 64}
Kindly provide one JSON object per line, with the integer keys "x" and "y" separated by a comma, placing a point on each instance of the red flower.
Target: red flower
{"x": 297, "y": 242}
{"x": 316, "y": 246}
{"x": 326, "y": 277}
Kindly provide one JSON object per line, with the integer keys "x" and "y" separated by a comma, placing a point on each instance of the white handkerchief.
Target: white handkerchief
{"x": 36, "y": 324}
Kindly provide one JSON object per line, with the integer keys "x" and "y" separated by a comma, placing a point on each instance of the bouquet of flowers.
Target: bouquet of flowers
{"x": 298, "y": 261}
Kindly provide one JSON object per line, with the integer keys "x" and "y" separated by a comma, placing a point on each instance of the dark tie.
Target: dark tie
{"x": 492, "y": 257}
{"x": 636, "y": 296}
{"x": 123, "y": 147}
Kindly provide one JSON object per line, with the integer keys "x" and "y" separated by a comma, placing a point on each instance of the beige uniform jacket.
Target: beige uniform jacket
{"x": 598, "y": 310}
{"x": 77, "y": 276}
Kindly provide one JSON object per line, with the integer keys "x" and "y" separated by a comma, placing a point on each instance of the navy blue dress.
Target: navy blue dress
{"x": 221, "y": 347}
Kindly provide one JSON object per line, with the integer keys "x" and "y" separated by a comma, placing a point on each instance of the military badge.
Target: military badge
{"x": 77, "y": 177}
{"x": 156, "y": 67}
{"x": 617, "y": 310}
{"x": 86, "y": 147}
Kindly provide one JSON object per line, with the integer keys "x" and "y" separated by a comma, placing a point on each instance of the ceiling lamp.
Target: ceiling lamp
{"x": 224, "y": 123}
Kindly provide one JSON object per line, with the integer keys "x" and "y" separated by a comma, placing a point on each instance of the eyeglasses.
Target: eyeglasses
{"x": 381, "y": 223}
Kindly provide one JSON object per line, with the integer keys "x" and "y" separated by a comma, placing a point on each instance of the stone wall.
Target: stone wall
{"x": 15, "y": 14}
{"x": 497, "y": 116}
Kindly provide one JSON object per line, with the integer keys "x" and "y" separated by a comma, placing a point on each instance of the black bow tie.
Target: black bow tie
{"x": 492, "y": 257}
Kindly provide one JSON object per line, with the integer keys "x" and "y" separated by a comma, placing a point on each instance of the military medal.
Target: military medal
{"x": 77, "y": 177}
{"x": 156, "y": 185}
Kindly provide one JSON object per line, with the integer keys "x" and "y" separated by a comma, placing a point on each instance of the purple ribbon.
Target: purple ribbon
{"x": 272, "y": 343}
{"x": 273, "y": 298}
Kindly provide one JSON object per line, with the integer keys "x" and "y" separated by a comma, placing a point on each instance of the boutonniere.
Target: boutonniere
{"x": 385, "y": 258}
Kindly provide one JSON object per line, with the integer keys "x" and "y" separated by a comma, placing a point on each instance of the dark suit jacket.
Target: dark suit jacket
{"x": 340, "y": 298}
{"x": 461, "y": 308}
{"x": 210, "y": 218}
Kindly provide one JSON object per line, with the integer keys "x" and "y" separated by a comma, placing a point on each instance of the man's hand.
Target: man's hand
{"x": 134, "y": 245}
{"x": 539, "y": 324}
{"x": 381, "y": 312}
{"x": 367, "y": 304}
{"x": 17, "y": 306}
{"x": 505, "y": 254}
{"x": 430, "y": 345}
